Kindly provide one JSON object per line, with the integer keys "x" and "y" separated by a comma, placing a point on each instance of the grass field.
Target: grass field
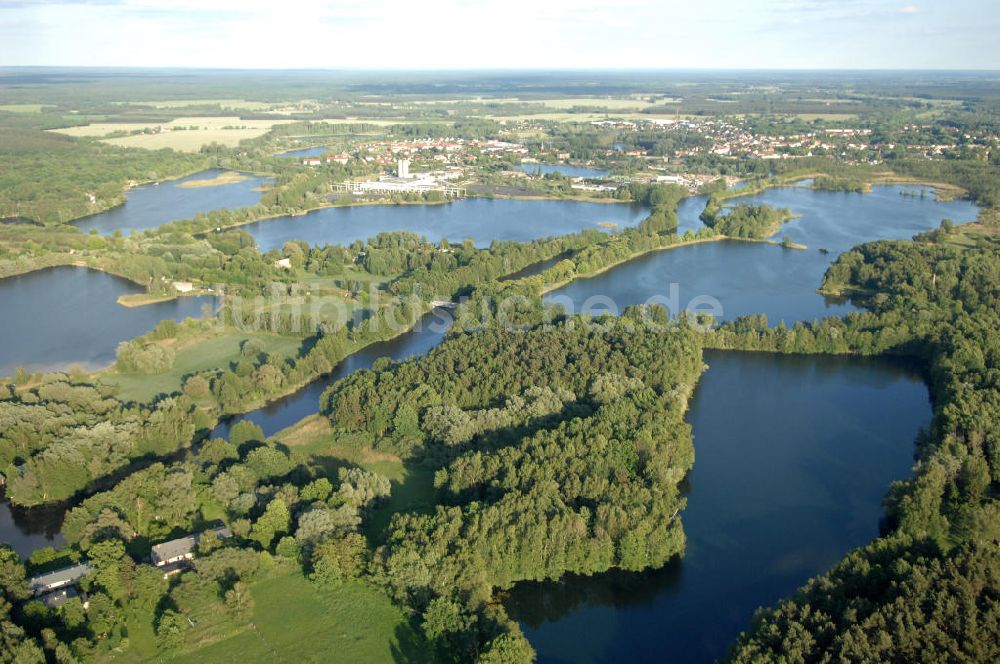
{"x": 210, "y": 129}
{"x": 294, "y": 621}
{"x": 212, "y": 352}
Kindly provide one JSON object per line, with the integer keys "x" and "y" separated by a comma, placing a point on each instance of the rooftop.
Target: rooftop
{"x": 60, "y": 577}
{"x": 182, "y": 546}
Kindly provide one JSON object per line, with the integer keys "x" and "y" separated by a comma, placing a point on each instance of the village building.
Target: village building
{"x": 182, "y": 548}
{"x": 60, "y": 578}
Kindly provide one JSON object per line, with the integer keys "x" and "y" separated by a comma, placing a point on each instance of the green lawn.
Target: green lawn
{"x": 412, "y": 491}
{"x": 294, "y": 621}
{"x": 215, "y": 352}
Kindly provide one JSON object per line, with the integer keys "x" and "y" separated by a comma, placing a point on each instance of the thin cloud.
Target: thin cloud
{"x": 484, "y": 33}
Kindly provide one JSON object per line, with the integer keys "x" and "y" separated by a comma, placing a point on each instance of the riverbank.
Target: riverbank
{"x": 942, "y": 190}
{"x": 228, "y": 177}
{"x": 73, "y": 260}
{"x": 778, "y": 407}
{"x": 548, "y": 288}
{"x": 549, "y": 197}
{"x": 132, "y": 300}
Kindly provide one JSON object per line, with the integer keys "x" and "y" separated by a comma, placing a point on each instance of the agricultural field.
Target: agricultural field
{"x": 610, "y": 103}
{"x": 566, "y": 116}
{"x": 177, "y": 134}
{"x": 241, "y": 104}
{"x": 22, "y": 108}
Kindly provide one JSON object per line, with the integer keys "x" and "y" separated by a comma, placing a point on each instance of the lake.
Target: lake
{"x": 152, "y": 205}
{"x": 305, "y": 152}
{"x": 69, "y": 315}
{"x": 564, "y": 170}
{"x": 481, "y": 219}
{"x": 747, "y": 278}
{"x": 793, "y": 455}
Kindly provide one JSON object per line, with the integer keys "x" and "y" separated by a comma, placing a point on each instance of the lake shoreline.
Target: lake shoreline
{"x": 677, "y": 245}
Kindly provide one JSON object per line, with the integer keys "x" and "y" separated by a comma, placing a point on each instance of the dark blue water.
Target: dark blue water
{"x": 483, "y": 220}
{"x": 305, "y": 152}
{"x": 69, "y": 315}
{"x": 793, "y": 456}
{"x": 564, "y": 170}
{"x": 689, "y": 214}
{"x": 746, "y": 278}
{"x": 152, "y": 205}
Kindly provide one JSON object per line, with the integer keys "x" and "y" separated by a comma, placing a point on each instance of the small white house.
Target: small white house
{"x": 285, "y": 263}
{"x": 183, "y": 286}
{"x": 60, "y": 578}
{"x": 181, "y": 548}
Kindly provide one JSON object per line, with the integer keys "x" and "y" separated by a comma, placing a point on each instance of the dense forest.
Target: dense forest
{"x": 747, "y": 221}
{"x": 558, "y": 449}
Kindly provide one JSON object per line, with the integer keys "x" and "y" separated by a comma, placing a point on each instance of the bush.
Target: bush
{"x": 144, "y": 359}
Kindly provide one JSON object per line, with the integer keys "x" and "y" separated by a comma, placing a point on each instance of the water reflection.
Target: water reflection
{"x": 793, "y": 457}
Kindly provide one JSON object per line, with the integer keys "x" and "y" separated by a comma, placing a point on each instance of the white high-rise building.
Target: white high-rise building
{"x": 403, "y": 168}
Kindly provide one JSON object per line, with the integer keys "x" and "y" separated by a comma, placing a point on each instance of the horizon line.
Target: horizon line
{"x": 507, "y": 69}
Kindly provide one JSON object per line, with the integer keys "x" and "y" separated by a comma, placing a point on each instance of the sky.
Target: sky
{"x": 504, "y": 34}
